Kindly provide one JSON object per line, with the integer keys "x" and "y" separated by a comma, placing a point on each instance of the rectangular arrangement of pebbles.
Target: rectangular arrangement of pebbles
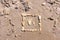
{"x": 31, "y": 23}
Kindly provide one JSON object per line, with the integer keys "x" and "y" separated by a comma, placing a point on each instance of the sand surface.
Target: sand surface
{"x": 11, "y": 19}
